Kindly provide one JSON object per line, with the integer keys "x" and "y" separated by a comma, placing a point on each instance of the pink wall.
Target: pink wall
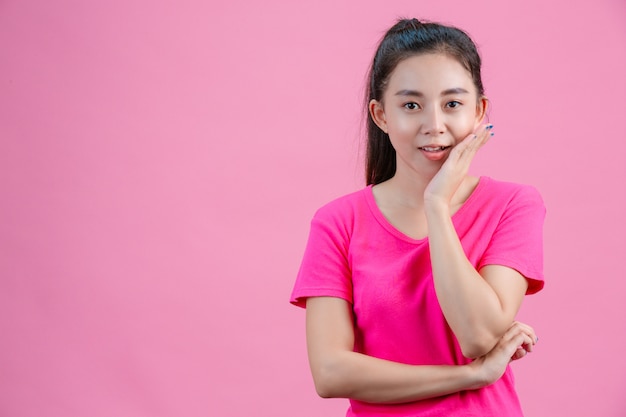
{"x": 160, "y": 162}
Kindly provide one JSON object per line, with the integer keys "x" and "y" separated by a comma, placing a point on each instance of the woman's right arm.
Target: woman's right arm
{"x": 338, "y": 371}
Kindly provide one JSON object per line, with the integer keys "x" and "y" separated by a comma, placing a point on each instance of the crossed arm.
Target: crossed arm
{"x": 338, "y": 371}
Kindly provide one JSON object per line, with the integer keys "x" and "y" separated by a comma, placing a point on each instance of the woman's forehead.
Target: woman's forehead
{"x": 430, "y": 73}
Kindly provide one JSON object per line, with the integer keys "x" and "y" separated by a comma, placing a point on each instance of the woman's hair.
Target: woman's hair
{"x": 409, "y": 37}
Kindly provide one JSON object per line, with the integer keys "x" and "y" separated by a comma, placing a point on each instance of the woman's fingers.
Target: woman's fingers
{"x": 464, "y": 152}
{"x": 477, "y": 139}
{"x": 530, "y": 332}
{"x": 524, "y": 336}
{"x": 509, "y": 348}
{"x": 481, "y": 136}
{"x": 519, "y": 345}
{"x": 513, "y": 340}
{"x": 519, "y": 354}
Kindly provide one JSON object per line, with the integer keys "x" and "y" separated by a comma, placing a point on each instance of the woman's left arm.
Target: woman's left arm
{"x": 480, "y": 305}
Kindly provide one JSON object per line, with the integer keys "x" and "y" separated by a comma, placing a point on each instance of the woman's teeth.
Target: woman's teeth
{"x": 437, "y": 149}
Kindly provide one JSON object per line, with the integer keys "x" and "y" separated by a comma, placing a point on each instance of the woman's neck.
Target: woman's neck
{"x": 406, "y": 191}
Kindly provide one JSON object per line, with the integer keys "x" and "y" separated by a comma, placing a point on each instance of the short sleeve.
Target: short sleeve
{"x": 325, "y": 269}
{"x": 517, "y": 241}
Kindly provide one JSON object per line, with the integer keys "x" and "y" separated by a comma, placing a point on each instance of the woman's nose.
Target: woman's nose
{"x": 433, "y": 122}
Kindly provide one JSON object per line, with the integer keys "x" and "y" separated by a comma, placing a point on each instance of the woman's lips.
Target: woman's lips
{"x": 434, "y": 148}
{"x": 434, "y": 153}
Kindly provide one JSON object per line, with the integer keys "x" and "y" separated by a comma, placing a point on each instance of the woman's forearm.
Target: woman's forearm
{"x": 471, "y": 306}
{"x": 365, "y": 378}
{"x": 339, "y": 371}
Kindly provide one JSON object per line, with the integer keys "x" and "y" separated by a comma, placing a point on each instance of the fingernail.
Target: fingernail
{"x": 489, "y": 127}
{"x": 491, "y": 134}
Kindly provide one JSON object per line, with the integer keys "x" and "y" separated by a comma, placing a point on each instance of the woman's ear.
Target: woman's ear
{"x": 481, "y": 110}
{"x": 377, "y": 111}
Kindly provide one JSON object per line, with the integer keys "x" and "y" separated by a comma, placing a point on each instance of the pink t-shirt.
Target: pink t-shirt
{"x": 354, "y": 253}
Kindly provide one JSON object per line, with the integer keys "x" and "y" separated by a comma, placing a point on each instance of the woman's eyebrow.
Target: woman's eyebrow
{"x": 452, "y": 91}
{"x": 448, "y": 92}
{"x": 410, "y": 93}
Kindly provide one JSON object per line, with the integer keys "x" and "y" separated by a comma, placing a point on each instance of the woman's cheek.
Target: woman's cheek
{"x": 403, "y": 123}
{"x": 462, "y": 132}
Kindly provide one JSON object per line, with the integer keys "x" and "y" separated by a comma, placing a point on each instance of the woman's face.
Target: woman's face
{"x": 430, "y": 104}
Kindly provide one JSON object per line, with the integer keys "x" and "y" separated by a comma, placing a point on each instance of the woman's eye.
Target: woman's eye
{"x": 453, "y": 104}
{"x": 412, "y": 106}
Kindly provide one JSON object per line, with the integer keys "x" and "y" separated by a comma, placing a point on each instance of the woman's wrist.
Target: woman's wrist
{"x": 476, "y": 375}
{"x": 435, "y": 209}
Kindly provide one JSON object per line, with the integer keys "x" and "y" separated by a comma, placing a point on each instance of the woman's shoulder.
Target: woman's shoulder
{"x": 345, "y": 206}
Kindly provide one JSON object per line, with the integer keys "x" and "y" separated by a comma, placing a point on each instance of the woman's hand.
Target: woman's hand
{"x": 515, "y": 344}
{"x": 445, "y": 183}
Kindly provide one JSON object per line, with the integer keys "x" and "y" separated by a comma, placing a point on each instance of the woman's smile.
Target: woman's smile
{"x": 435, "y": 153}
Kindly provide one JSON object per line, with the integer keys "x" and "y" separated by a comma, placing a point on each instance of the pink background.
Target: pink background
{"x": 160, "y": 162}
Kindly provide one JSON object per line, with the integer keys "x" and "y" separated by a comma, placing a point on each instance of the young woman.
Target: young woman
{"x": 412, "y": 284}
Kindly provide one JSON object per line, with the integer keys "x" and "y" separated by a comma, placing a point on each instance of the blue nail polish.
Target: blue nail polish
{"x": 489, "y": 127}
{"x": 491, "y": 134}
